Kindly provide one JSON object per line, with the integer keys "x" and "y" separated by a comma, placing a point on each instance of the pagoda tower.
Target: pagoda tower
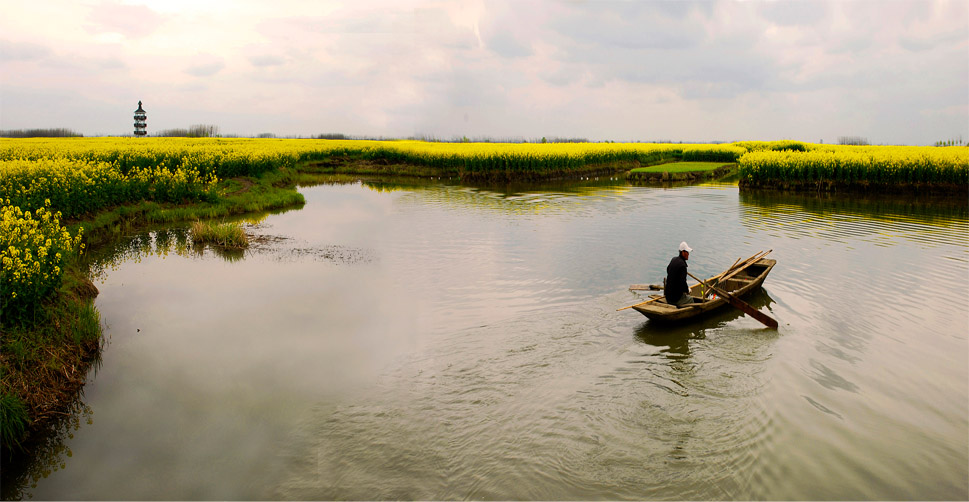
{"x": 140, "y": 117}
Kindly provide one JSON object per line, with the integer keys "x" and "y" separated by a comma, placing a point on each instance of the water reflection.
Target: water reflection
{"x": 935, "y": 208}
{"x": 570, "y": 196}
{"x": 49, "y": 452}
{"x": 176, "y": 241}
{"x": 880, "y": 220}
{"x": 471, "y": 349}
{"x": 161, "y": 242}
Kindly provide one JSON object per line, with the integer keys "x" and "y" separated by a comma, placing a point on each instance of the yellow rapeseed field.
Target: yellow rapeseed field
{"x": 851, "y": 164}
{"x": 33, "y": 247}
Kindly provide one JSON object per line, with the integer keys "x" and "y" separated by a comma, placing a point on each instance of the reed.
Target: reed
{"x": 13, "y": 419}
{"x": 226, "y": 234}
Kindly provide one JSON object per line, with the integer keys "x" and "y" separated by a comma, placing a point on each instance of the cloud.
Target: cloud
{"x": 23, "y": 51}
{"x": 795, "y": 12}
{"x": 349, "y": 20}
{"x": 433, "y": 27}
{"x": 266, "y": 60}
{"x": 501, "y": 68}
{"x": 506, "y": 44}
{"x": 506, "y": 29}
{"x": 110, "y": 63}
{"x": 206, "y": 68}
{"x": 678, "y": 46}
{"x": 921, "y": 43}
{"x": 132, "y": 21}
{"x": 651, "y": 25}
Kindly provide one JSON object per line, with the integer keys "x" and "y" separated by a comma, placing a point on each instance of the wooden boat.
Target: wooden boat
{"x": 738, "y": 283}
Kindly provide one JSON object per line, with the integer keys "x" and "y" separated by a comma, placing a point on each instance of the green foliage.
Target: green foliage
{"x": 679, "y": 167}
{"x": 228, "y": 234}
{"x": 949, "y": 142}
{"x": 195, "y": 131}
{"x": 88, "y": 325}
{"x": 853, "y": 140}
{"x": 60, "y": 132}
{"x": 13, "y": 420}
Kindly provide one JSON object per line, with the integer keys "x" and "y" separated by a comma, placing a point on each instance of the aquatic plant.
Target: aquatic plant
{"x": 222, "y": 234}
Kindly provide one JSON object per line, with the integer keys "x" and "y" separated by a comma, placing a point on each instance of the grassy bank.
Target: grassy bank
{"x": 50, "y": 332}
{"x": 679, "y": 167}
{"x": 681, "y": 171}
{"x": 45, "y": 359}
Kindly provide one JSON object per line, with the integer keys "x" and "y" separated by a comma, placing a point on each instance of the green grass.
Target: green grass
{"x": 223, "y": 234}
{"x": 44, "y": 363}
{"x": 680, "y": 167}
{"x": 13, "y": 419}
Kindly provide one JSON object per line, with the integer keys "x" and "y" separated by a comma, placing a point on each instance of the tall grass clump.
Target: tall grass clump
{"x": 13, "y": 419}
{"x": 222, "y": 234}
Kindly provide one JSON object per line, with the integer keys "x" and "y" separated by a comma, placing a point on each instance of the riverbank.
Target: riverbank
{"x": 45, "y": 359}
{"x": 45, "y": 362}
{"x": 682, "y": 171}
{"x": 358, "y": 166}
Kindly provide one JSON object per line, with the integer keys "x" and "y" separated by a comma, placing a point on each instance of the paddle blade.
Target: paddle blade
{"x": 765, "y": 319}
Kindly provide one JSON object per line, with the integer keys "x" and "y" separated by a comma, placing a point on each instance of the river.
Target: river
{"x": 435, "y": 341}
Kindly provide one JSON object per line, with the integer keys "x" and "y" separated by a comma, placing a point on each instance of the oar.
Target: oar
{"x": 645, "y": 287}
{"x": 735, "y": 269}
{"x": 750, "y": 261}
{"x": 641, "y": 303}
{"x": 740, "y": 304}
{"x": 717, "y": 282}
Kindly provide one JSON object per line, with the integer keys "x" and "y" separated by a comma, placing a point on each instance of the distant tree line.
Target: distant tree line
{"x": 489, "y": 139}
{"x": 949, "y": 142}
{"x": 195, "y": 131}
{"x": 40, "y": 133}
{"x": 853, "y": 140}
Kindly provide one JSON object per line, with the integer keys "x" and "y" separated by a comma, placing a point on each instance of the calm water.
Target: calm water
{"x": 447, "y": 342}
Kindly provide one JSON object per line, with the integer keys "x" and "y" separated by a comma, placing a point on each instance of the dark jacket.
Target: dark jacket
{"x": 676, "y": 279}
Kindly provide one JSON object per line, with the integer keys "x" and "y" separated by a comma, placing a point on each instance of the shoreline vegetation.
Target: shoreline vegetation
{"x": 225, "y": 234}
{"x": 60, "y": 196}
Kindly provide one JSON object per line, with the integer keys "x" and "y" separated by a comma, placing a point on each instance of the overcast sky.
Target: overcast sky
{"x": 894, "y": 72}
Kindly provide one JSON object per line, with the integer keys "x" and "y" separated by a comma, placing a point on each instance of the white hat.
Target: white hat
{"x": 684, "y": 247}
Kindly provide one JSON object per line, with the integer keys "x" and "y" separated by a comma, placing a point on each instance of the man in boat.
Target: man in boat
{"x": 677, "y": 292}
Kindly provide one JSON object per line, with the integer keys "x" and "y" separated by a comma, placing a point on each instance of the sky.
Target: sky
{"x": 893, "y": 72}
